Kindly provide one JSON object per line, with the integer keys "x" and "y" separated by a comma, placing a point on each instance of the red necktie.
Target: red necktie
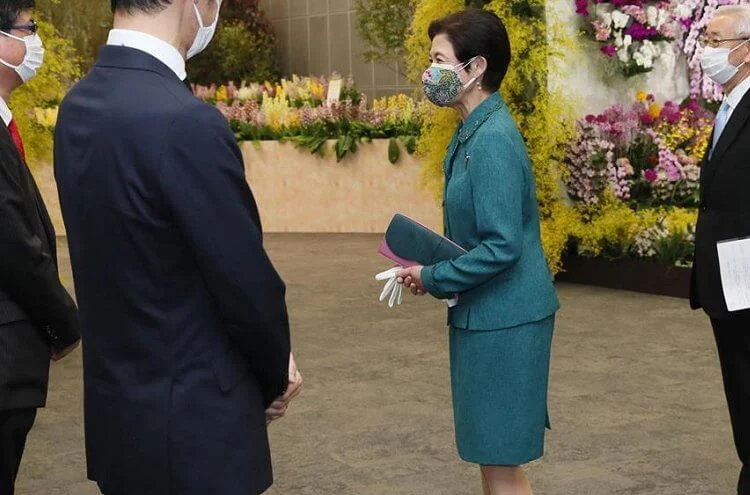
{"x": 13, "y": 128}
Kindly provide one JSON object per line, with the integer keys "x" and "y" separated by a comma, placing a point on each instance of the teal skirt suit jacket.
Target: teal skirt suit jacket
{"x": 501, "y": 329}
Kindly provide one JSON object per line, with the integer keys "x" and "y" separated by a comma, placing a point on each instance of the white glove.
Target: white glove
{"x": 392, "y": 290}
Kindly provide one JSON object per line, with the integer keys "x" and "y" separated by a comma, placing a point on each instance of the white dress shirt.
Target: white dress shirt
{"x": 5, "y": 112}
{"x": 157, "y": 48}
{"x": 735, "y": 97}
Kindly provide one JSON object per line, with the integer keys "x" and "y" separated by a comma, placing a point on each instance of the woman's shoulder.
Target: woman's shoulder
{"x": 499, "y": 132}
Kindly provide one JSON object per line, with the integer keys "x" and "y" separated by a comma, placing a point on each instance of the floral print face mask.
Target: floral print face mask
{"x": 442, "y": 83}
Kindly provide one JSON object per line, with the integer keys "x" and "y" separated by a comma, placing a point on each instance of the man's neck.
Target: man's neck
{"x": 5, "y": 93}
{"x": 159, "y": 26}
{"x": 736, "y": 81}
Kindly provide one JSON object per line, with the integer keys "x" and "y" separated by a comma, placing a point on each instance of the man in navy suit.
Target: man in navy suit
{"x": 186, "y": 341}
{"x": 38, "y": 318}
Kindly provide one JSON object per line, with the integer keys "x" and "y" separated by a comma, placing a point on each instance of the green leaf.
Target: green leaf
{"x": 340, "y": 150}
{"x": 256, "y": 144}
{"x": 394, "y": 151}
{"x": 410, "y": 143}
{"x": 320, "y": 147}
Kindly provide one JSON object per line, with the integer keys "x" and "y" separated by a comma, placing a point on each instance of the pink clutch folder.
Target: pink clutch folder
{"x": 409, "y": 243}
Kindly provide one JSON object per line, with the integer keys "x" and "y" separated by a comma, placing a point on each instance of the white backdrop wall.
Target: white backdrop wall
{"x": 585, "y": 77}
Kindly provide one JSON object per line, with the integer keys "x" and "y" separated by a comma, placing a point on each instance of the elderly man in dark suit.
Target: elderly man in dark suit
{"x": 185, "y": 329}
{"x": 725, "y": 213}
{"x": 38, "y": 318}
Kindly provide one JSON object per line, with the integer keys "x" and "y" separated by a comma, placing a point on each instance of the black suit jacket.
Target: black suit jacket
{"x": 185, "y": 328}
{"x": 724, "y": 210}
{"x": 36, "y": 312}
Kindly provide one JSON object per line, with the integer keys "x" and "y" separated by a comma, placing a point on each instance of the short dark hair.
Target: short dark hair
{"x": 131, "y": 6}
{"x": 11, "y": 9}
{"x": 477, "y": 32}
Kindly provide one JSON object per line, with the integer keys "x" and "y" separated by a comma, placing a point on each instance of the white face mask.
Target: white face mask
{"x": 205, "y": 33}
{"x": 33, "y": 59}
{"x": 716, "y": 65}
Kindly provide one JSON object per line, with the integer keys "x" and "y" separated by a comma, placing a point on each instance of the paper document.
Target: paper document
{"x": 734, "y": 264}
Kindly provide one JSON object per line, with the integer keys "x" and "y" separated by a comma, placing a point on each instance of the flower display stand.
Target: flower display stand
{"x": 633, "y": 275}
{"x": 298, "y": 191}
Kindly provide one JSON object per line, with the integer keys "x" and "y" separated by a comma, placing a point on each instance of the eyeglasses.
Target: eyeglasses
{"x": 705, "y": 41}
{"x": 32, "y": 27}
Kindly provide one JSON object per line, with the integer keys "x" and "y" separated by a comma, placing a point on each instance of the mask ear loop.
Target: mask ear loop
{"x": 473, "y": 79}
{"x": 735, "y": 49}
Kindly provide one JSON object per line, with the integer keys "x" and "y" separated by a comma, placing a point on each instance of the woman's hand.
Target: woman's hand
{"x": 411, "y": 278}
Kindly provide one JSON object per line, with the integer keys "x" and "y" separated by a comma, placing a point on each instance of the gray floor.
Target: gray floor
{"x": 636, "y": 399}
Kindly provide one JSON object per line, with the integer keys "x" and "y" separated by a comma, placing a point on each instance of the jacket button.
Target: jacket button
{"x": 704, "y": 208}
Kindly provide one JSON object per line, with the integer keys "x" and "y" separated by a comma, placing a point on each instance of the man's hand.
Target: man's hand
{"x": 278, "y": 409}
{"x": 58, "y": 355}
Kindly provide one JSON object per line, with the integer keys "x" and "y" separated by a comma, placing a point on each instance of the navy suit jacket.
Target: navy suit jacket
{"x": 185, "y": 328}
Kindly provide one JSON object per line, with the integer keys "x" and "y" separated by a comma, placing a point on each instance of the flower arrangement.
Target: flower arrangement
{"x": 646, "y": 155}
{"x": 633, "y": 175}
{"x": 693, "y": 16}
{"x": 296, "y": 110}
{"x": 664, "y": 235}
{"x": 634, "y": 34}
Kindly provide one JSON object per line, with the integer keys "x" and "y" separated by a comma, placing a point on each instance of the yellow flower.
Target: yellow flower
{"x": 276, "y": 111}
{"x": 641, "y": 96}
{"x": 221, "y": 93}
{"x": 654, "y": 110}
{"x": 46, "y": 117}
{"x": 318, "y": 90}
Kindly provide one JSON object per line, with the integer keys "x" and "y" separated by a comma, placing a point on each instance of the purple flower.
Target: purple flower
{"x": 639, "y": 32}
{"x": 693, "y": 106}
{"x": 650, "y": 175}
{"x": 609, "y": 50}
{"x": 671, "y": 112}
{"x": 582, "y": 7}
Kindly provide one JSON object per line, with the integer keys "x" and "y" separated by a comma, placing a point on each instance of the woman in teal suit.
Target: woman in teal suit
{"x": 501, "y": 328}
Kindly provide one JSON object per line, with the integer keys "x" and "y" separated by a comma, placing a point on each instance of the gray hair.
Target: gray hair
{"x": 740, "y": 15}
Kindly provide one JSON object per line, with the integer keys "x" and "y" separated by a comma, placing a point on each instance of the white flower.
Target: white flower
{"x": 620, "y": 19}
{"x": 627, "y": 41}
{"x": 663, "y": 17}
{"x": 652, "y": 15}
{"x": 648, "y": 49}
{"x": 245, "y": 93}
{"x": 618, "y": 40}
{"x": 623, "y": 55}
{"x": 683, "y": 11}
{"x": 644, "y": 56}
{"x": 606, "y": 18}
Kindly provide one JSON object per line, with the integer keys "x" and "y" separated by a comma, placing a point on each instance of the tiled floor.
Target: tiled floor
{"x": 636, "y": 398}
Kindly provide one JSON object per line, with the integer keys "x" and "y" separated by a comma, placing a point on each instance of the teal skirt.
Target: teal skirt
{"x": 499, "y": 381}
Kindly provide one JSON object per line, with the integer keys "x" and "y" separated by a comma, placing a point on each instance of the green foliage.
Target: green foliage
{"x": 46, "y": 90}
{"x": 384, "y": 25}
{"x": 243, "y": 48}
{"x": 347, "y": 134}
{"x": 85, "y": 23}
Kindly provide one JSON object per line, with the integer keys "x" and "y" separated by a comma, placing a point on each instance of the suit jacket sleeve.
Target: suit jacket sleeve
{"x": 498, "y": 186}
{"x": 204, "y": 184}
{"x": 28, "y": 270}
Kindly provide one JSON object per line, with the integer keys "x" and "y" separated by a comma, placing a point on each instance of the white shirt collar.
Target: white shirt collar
{"x": 5, "y": 112}
{"x": 160, "y": 49}
{"x": 735, "y": 97}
